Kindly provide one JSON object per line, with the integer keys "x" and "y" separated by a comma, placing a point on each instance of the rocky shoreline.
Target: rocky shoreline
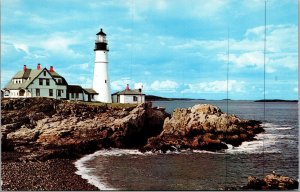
{"x": 42, "y": 136}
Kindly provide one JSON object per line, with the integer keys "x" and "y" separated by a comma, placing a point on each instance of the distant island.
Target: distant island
{"x": 275, "y": 100}
{"x": 158, "y": 98}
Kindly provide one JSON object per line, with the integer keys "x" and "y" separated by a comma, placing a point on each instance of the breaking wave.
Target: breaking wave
{"x": 265, "y": 142}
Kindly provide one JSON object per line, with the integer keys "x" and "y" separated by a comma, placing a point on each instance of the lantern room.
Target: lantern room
{"x": 101, "y": 43}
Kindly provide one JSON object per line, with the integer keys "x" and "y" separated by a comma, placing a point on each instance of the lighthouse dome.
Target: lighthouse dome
{"x": 101, "y": 33}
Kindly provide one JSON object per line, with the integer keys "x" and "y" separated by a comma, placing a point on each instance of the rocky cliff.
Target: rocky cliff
{"x": 43, "y": 128}
{"x": 203, "y": 127}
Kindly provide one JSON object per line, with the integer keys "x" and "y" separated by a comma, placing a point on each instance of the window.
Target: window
{"x": 45, "y": 73}
{"x": 7, "y": 93}
{"x": 22, "y": 92}
{"x": 72, "y": 95}
{"x": 40, "y": 81}
{"x": 47, "y": 82}
{"x": 50, "y": 92}
{"x": 135, "y": 98}
{"x": 37, "y": 92}
{"x": 105, "y": 81}
{"x": 59, "y": 93}
{"x": 77, "y": 95}
{"x": 59, "y": 81}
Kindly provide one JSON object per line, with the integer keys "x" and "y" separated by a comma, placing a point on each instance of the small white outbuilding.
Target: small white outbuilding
{"x": 129, "y": 96}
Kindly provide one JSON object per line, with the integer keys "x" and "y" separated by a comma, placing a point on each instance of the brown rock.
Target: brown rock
{"x": 271, "y": 181}
{"x": 44, "y": 128}
{"x": 203, "y": 127}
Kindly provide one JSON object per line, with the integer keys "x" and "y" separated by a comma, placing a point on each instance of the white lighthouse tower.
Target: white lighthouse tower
{"x": 101, "y": 82}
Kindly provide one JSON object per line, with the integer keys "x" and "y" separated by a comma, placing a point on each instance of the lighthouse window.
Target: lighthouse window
{"x": 105, "y": 81}
{"x": 45, "y": 73}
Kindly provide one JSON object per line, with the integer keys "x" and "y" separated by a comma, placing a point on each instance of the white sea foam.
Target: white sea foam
{"x": 85, "y": 172}
{"x": 253, "y": 147}
{"x": 266, "y": 142}
{"x": 284, "y": 128}
{"x": 271, "y": 126}
{"x": 204, "y": 151}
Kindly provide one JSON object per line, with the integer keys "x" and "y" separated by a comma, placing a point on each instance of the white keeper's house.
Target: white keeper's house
{"x": 44, "y": 83}
{"x": 48, "y": 83}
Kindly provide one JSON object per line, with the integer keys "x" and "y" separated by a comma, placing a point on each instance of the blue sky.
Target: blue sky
{"x": 174, "y": 48}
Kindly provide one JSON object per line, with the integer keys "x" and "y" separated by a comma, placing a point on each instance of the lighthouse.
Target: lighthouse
{"x": 101, "y": 79}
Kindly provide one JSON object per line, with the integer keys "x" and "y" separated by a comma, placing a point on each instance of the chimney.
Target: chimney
{"x": 140, "y": 89}
{"x": 51, "y": 69}
{"x": 38, "y": 67}
{"x": 25, "y": 68}
{"x": 127, "y": 87}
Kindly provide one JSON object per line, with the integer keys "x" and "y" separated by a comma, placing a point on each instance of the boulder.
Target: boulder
{"x": 203, "y": 127}
{"x": 272, "y": 181}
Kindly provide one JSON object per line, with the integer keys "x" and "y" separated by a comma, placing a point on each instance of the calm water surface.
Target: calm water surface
{"x": 276, "y": 149}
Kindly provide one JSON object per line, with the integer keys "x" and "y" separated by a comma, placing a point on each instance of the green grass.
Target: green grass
{"x": 113, "y": 105}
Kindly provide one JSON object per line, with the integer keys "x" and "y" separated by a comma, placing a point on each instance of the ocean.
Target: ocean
{"x": 274, "y": 150}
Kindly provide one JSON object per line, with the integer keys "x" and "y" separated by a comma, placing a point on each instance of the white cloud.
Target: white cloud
{"x": 288, "y": 61}
{"x": 138, "y": 85}
{"x": 137, "y": 10}
{"x": 84, "y": 66}
{"x": 165, "y": 86}
{"x": 216, "y": 87}
{"x": 260, "y": 4}
{"x": 21, "y": 47}
{"x": 204, "y": 9}
{"x": 281, "y": 49}
{"x": 120, "y": 84}
{"x": 249, "y": 51}
{"x": 295, "y": 89}
{"x": 57, "y": 43}
{"x": 255, "y": 59}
